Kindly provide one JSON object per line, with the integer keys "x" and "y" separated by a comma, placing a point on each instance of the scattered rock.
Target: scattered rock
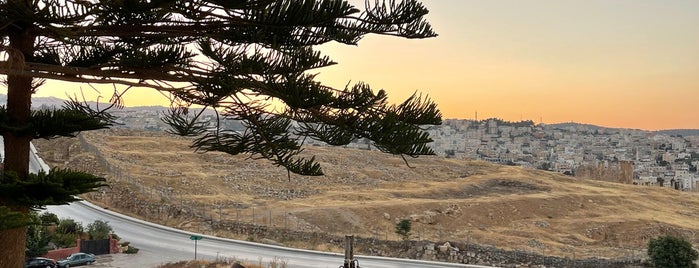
{"x": 452, "y": 209}
{"x": 444, "y": 248}
{"x": 542, "y": 224}
{"x": 428, "y": 217}
{"x": 271, "y": 242}
{"x": 237, "y": 265}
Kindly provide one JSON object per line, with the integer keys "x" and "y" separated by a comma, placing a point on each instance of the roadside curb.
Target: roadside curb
{"x": 340, "y": 257}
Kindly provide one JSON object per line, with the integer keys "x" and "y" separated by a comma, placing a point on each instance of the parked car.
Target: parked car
{"x": 76, "y": 259}
{"x": 39, "y": 262}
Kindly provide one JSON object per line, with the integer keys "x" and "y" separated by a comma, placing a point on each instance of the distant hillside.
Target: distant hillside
{"x": 56, "y": 102}
{"x": 573, "y": 124}
{"x": 578, "y": 125}
{"x": 681, "y": 132}
{"x": 673, "y": 132}
{"x": 38, "y": 101}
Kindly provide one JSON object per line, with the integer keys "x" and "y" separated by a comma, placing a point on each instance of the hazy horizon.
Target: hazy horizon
{"x": 480, "y": 119}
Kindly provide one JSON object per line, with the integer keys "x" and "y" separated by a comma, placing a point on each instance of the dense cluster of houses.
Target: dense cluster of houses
{"x": 652, "y": 158}
{"x": 623, "y": 155}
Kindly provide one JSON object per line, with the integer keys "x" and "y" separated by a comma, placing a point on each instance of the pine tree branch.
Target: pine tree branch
{"x": 58, "y": 187}
{"x": 257, "y": 50}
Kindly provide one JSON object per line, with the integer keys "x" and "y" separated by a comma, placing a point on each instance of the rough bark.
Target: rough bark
{"x": 12, "y": 247}
{"x": 19, "y": 94}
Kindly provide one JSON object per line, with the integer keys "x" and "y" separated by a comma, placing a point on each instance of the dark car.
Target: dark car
{"x": 76, "y": 259}
{"x": 39, "y": 262}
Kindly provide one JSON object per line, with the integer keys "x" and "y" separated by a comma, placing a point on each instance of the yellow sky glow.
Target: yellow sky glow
{"x": 628, "y": 63}
{"x": 622, "y": 63}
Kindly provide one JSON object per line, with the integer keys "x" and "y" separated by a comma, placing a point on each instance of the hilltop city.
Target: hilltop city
{"x": 665, "y": 159}
{"x": 652, "y": 158}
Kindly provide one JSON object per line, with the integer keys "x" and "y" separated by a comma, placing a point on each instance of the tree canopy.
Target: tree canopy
{"x": 248, "y": 60}
{"x": 241, "y": 58}
{"x": 670, "y": 251}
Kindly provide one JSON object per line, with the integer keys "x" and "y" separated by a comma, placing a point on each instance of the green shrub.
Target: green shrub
{"x": 69, "y": 226}
{"x": 131, "y": 250}
{"x": 38, "y": 238}
{"x": 99, "y": 230}
{"x": 48, "y": 218}
{"x": 64, "y": 240}
{"x": 403, "y": 228}
{"x": 671, "y": 252}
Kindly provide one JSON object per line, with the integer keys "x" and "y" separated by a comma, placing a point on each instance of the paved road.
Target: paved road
{"x": 160, "y": 244}
{"x": 36, "y": 164}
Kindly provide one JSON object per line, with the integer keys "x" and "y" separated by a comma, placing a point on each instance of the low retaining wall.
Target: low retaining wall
{"x": 62, "y": 253}
{"x": 455, "y": 252}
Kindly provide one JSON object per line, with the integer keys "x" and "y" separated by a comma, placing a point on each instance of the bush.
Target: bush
{"x": 403, "y": 228}
{"x": 62, "y": 240}
{"x": 37, "y": 239}
{"x": 69, "y": 226}
{"x": 131, "y": 250}
{"x": 99, "y": 230}
{"x": 48, "y": 218}
{"x": 671, "y": 252}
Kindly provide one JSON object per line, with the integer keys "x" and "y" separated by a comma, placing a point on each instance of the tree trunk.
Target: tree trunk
{"x": 19, "y": 97}
{"x": 13, "y": 246}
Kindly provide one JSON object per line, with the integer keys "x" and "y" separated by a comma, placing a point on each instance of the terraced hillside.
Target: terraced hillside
{"x": 365, "y": 192}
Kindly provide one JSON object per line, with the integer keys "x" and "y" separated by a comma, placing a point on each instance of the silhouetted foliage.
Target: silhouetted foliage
{"x": 253, "y": 61}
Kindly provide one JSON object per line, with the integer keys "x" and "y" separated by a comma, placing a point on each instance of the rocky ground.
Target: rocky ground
{"x": 365, "y": 193}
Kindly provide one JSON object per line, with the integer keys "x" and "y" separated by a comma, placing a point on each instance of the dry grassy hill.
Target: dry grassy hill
{"x": 366, "y": 192}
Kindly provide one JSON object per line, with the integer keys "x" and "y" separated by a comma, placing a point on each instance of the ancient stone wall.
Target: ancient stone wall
{"x": 455, "y": 252}
{"x": 452, "y": 251}
{"x": 620, "y": 171}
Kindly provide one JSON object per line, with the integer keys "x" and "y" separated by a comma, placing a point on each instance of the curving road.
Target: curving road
{"x": 36, "y": 164}
{"x": 161, "y": 244}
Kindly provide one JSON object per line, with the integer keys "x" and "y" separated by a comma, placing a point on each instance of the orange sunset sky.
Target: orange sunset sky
{"x": 613, "y": 63}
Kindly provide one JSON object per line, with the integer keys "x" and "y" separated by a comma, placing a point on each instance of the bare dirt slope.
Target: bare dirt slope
{"x": 366, "y": 192}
